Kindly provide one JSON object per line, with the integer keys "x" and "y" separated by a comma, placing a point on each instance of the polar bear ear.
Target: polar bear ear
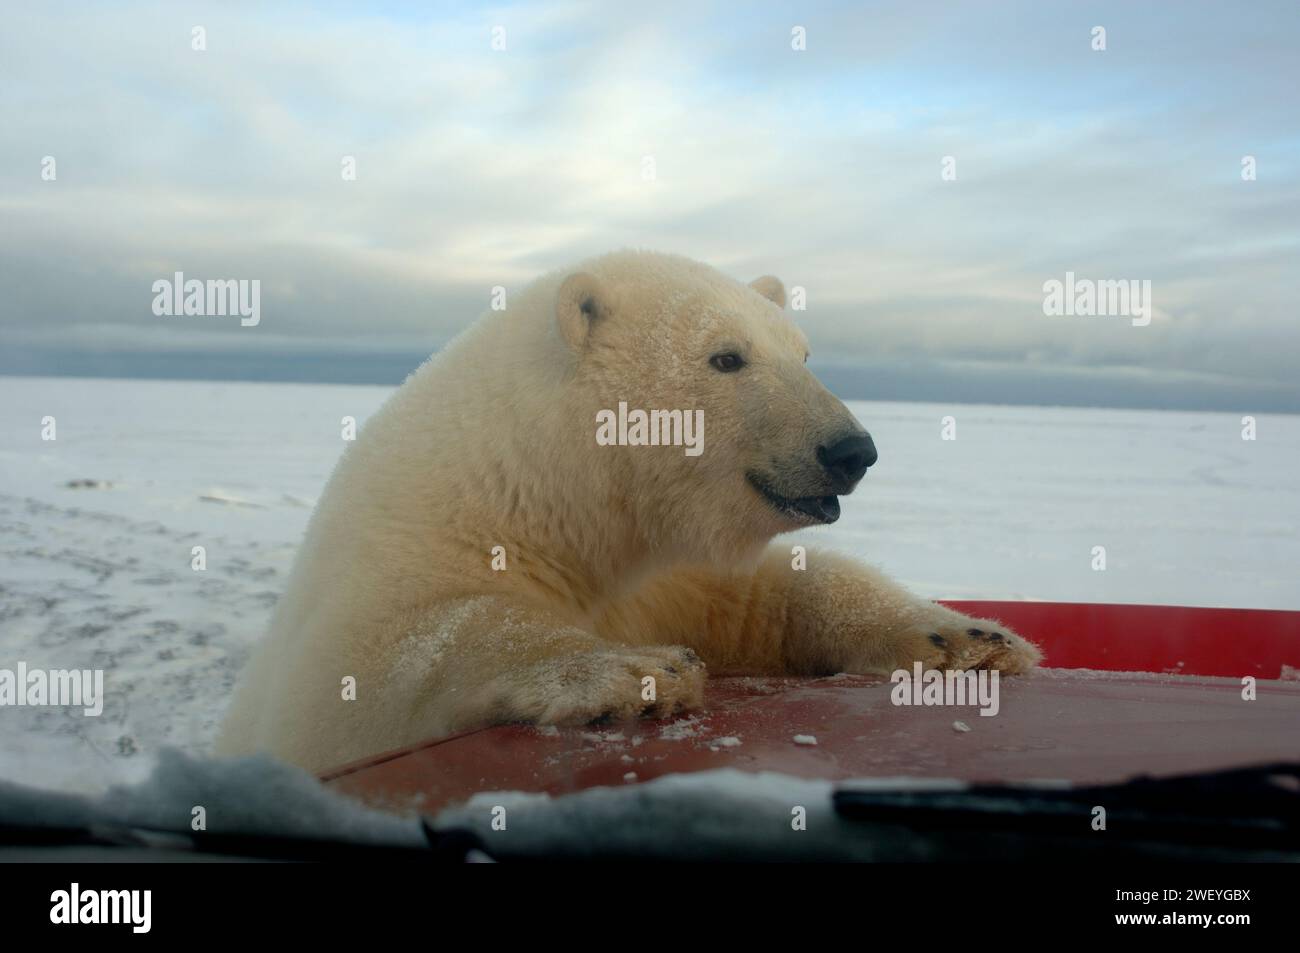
{"x": 579, "y": 303}
{"x": 771, "y": 289}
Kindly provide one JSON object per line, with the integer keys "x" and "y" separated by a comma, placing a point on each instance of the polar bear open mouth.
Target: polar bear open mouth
{"x": 805, "y": 509}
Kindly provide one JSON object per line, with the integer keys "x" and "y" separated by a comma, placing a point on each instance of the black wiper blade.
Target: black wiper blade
{"x": 1254, "y": 807}
{"x": 447, "y": 845}
{"x": 452, "y": 846}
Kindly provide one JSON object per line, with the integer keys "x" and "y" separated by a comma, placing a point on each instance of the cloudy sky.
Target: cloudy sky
{"x": 478, "y": 167}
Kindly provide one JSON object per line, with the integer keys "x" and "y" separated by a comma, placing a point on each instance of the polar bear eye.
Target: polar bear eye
{"x": 727, "y": 362}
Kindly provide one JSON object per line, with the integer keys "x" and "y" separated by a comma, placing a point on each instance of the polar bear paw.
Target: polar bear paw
{"x": 623, "y": 683}
{"x": 939, "y": 638}
{"x": 967, "y": 643}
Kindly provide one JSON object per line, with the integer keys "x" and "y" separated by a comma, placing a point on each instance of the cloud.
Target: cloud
{"x": 478, "y": 168}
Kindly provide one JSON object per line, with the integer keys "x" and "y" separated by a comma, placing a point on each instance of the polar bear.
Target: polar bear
{"x": 479, "y": 556}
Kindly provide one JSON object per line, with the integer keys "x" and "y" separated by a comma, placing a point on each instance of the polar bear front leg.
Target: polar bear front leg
{"x": 494, "y": 662}
{"x": 852, "y": 618}
{"x": 834, "y": 615}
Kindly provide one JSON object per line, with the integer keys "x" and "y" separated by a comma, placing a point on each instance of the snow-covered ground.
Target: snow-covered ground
{"x": 99, "y": 575}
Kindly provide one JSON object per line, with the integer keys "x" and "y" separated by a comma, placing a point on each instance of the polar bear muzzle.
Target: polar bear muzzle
{"x": 843, "y": 461}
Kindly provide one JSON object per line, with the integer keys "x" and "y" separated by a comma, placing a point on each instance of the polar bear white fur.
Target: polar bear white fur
{"x": 479, "y": 557}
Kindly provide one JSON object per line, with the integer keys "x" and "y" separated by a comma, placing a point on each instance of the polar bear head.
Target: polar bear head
{"x": 647, "y": 333}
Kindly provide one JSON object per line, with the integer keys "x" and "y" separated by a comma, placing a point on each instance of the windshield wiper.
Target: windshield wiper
{"x": 1238, "y": 811}
{"x": 447, "y": 845}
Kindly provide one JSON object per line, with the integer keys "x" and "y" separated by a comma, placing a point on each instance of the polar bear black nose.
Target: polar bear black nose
{"x": 848, "y": 458}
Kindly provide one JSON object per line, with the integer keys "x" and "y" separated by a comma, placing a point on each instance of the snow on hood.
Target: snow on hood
{"x": 255, "y": 795}
{"x": 706, "y": 815}
{"x": 723, "y": 814}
